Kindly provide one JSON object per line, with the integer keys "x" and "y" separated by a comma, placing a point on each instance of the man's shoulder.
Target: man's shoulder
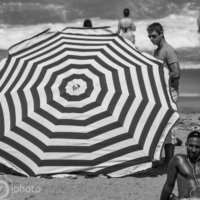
{"x": 170, "y": 54}
{"x": 180, "y": 157}
{"x": 168, "y": 47}
{"x": 125, "y": 20}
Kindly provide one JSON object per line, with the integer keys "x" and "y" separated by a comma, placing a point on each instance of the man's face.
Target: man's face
{"x": 155, "y": 37}
{"x": 193, "y": 147}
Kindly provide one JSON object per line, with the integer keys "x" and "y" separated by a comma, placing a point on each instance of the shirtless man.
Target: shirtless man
{"x": 168, "y": 55}
{"x": 126, "y": 26}
{"x": 185, "y": 169}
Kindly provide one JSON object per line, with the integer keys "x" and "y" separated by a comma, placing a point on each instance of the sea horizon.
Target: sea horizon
{"x": 22, "y": 20}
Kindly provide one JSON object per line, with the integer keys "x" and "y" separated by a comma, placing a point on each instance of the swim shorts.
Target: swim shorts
{"x": 174, "y": 94}
{"x": 171, "y": 139}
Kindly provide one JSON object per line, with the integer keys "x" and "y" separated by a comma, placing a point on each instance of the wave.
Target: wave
{"x": 61, "y": 11}
{"x": 179, "y": 35}
{"x": 31, "y": 13}
{"x": 189, "y": 65}
{"x": 189, "y": 95}
{"x": 21, "y": 20}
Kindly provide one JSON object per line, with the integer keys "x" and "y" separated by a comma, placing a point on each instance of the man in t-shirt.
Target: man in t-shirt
{"x": 168, "y": 55}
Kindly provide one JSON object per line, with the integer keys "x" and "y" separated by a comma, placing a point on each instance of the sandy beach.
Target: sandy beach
{"x": 144, "y": 185}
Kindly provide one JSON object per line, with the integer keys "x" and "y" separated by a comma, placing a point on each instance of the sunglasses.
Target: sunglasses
{"x": 152, "y": 36}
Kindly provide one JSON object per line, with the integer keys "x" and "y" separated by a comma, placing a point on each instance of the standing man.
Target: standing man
{"x": 185, "y": 169}
{"x": 126, "y": 26}
{"x": 168, "y": 55}
{"x": 198, "y": 22}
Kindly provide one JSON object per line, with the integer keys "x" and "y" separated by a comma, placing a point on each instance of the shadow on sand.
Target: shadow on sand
{"x": 153, "y": 172}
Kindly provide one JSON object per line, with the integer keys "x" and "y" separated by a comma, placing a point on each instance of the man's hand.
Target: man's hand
{"x": 173, "y": 197}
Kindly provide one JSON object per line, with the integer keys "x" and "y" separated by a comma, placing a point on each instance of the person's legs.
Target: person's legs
{"x": 171, "y": 139}
{"x": 169, "y": 146}
{"x": 169, "y": 152}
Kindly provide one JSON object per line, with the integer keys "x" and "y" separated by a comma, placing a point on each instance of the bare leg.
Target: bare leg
{"x": 169, "y": 153}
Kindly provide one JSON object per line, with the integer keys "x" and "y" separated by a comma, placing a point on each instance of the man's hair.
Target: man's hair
{"x": 126, "y": 12}
{"x": 193, "y": 134}
{"x": 87, "y": 23}
{"x": 155, "y": 27}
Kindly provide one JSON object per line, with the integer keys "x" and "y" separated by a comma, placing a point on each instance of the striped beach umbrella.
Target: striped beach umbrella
{"x": 82, "y": 100}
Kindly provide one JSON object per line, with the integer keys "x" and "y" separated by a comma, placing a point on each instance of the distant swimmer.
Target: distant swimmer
{"x": 198, "y": 22}
{"x": 87, "y": 23}
{"x": 126, "y": 27}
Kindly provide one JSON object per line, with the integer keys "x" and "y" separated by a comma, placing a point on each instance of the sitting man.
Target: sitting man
{"x": 186, "y": 170}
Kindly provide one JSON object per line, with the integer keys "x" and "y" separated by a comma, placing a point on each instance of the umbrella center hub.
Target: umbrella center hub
{"x": 76, "y": 87}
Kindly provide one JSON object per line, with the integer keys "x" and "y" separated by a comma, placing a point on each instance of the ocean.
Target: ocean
{"x": 22, "y": 19}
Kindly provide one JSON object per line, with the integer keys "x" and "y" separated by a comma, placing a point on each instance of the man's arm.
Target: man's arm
{"x": 175, "y": 70}
{"x": 171, "y": 178}
{"x": 119, "y": 28}
{"x": 198, "y": 20}
{"x": 133, "y": 26}
{"x": 173, "y": 63}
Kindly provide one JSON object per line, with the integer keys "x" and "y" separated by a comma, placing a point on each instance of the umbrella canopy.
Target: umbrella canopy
{"x": 82, "y": 100}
